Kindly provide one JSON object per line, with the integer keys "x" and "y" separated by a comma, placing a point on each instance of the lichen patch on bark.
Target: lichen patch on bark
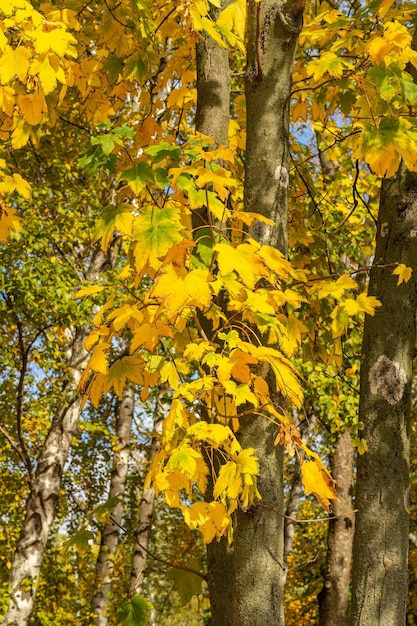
{"x": 384, "y": 229}
{"x": 389, "y": 378}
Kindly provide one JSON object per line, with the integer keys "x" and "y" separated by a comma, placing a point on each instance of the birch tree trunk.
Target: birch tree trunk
{"x": 146, "y": 506}
{"x": 111, "y": 531}
{"x": 47, "y": 478}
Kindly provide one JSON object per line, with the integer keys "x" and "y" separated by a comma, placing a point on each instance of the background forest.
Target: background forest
{"x": 200, "y": 203}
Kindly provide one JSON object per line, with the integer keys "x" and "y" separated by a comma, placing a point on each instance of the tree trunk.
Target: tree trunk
{"x": 296, "y": 492}
{"x": 47, "y": 478}
{"x": 212, "y": 118}
{"x": 111, "y": 531}
{"x": 146, "y": 507}
{"x": 380, "y": 579}
{"x": 273, "y": 29}
{"x": 333, "y": 598}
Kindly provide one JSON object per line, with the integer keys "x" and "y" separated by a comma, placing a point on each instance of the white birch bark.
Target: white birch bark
{"x": 111, "y": 531}
{"x": 47, "y": 478}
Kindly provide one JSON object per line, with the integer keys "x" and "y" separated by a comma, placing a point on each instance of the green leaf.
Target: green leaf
{"x": 409, "y": 89}
{"x": 162, "y": 151}
{"x": 138, "y": 176}
{"x": 186, "y": 584}
{"x": 134, "y": 612}
{"x": 113, "y": 66}
{"x": 155, "y": 231}
{"x": 385, "y": 80}
{"x": 80, "y": 541}
{"x": 103, "y": 511}
{"x": 113, "y": 216}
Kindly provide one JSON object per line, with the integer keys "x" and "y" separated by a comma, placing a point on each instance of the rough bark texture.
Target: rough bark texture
{"x": 111, "y": 531}
{"x": 212, "y": 118}
{"x": 333, "y": 598}
{"x": 46, "y": 483}
{"x": 213, "y": 86}
{"x": 146, "y": 506}
{"x": 380, "y": 580}
{"x": 273, "y": 29}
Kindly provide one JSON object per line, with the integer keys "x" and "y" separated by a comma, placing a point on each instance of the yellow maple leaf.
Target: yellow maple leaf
{"x": 8, "y": 221}
{"x": 14, "y": 62}
{"x": 317, "y": 480}
{"x": 22, "y": 186}
{"x": 336, "y": 289}
{"x": 52, "y": 37}
{"x": 47, "y": 75}
{"x": 89, "y": 291}
{"x": 178, "y": 288}
{"x": 368, "y": 304}
{"x": 124, "y": 369}
{"x": 98, "y": 359}
{"x": 20, "y": 134}
{"x": 149, "y": 335}
{"x": 284, "y": 372}
{"x": 229, "y": 482}
{"x": 170, "y": 373}
{"x": 233, "y": 17}
{"x": 377, "y": 49}
{"x": 243, "y": 260}
{"x": 33, "y": 107}
{"x": 403, "y": 272}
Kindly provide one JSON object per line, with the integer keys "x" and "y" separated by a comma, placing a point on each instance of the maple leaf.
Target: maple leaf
{"x": 317, "y": 480}
{"x": 243, "y": 260}
{"x": 98, "y": 359}
{"x": 155, "y": 231}
{"x": 336, "y": 289}
{"x": 117, "y": 217}
{"x": 403, "y": 272}
{"x": 124, "y": 369}
{"x": 14, "y": 62}
{"x": 8, "y": 221}
{"x": 33, "y": 107}
{"x": 178, "y": 287}
{"x": 149, "y": 335}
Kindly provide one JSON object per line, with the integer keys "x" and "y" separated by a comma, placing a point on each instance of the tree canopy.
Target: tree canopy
{"x": 190, "y": 195}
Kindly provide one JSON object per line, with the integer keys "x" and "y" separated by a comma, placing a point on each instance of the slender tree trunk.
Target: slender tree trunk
{"x": 212, "y": 118}
{"x": 111, "y": 531}
{"x": 146, "y": 506}
{"x": 47, "y": 478}
{"x": 333, "y": 598}
{"x": 380, "y": 578}
{"x": 273, "y": 29}
{"x": 295, "y": 494}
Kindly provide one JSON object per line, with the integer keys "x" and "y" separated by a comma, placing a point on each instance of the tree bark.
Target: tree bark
{"x": 47, "y": 478}
{"x": 212, "y": 118}
{"x": 111, "y": 531}
{"x": 273, "y": 29}
{"x": 333, "y": 598}
{"x": 380, "y": 578}
{"x": 146, "y": 506}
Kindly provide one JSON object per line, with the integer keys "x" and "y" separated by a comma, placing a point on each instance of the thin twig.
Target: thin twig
{"x": 158, "y": 558}
{"x": 302, "y": 521}
{"x": 14, "y": 445}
